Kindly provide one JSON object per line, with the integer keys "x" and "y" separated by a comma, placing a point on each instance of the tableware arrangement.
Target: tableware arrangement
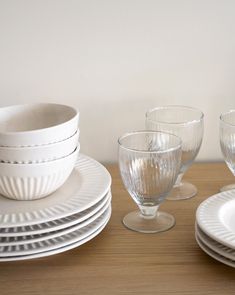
{"x": 186, "y": 123}
{"x": 149, "y": 164}
{"x": 227, "y": 143}
{"x": 215, "y": 227}
{"x": 52, "y": 198}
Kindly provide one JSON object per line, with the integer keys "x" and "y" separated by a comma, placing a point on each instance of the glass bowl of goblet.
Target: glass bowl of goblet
{"x": 149, "y": 163}
{"x": 186, "y": 123}
{"x": 227, "y": 142}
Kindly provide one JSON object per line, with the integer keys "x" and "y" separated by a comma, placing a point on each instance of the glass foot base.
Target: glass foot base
{"x": 227, "y": 187}
{"x": 183, "y": 191}
{"x": 162, "y": 222}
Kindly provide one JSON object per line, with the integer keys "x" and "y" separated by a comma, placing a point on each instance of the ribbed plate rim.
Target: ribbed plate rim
{"x": 58, "y": 250}
{"x": 49, "y": 235}
{"x": 214, "y": 245}
{"x": 208, "y": 218}
{"x": 56, "y": 224}
{"x": 213, "y": 254}
{"x": 58, "y": 242}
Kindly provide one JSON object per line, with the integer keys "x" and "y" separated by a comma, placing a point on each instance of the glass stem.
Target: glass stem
{"x": 148, "y": 212}
{"x": 178, "y": 180}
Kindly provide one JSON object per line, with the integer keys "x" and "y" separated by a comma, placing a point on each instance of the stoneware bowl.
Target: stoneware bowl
{"x": 35, "y": 181}
{"x": 40, "y": 153}
{"x": 37, "y": 124}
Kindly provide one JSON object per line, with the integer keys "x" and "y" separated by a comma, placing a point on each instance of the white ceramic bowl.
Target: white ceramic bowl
{"x": 36, "y": 124}
{"x": 35, "y": 181}
{"x": 41, "y": 153}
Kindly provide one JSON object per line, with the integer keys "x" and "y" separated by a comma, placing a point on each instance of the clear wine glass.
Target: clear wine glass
{"x": 186, "y": 123}
{"x": 149, "y": 163}
{"x": 227, "y": 143}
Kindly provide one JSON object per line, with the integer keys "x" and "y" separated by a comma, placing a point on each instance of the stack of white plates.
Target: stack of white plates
{"x": 66, "y": 219}
{"x": 215, "y": 227}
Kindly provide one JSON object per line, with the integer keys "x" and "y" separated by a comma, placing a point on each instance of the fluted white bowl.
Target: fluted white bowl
{"x": 40, "y": 153}
{"x": 37, "y": 124}
{"x": 35, "y": 181}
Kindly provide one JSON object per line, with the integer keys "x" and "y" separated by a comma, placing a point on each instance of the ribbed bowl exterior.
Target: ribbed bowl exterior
{"x": 26, "y": 182}
{"x": 32, "y": 188}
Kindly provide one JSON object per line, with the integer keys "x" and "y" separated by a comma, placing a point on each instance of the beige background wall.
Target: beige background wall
{"x": 116, "y": 59}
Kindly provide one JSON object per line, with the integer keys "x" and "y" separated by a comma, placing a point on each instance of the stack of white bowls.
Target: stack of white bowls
{"x": 39, "y": 147}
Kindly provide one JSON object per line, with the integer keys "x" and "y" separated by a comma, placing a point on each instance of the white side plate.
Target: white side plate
{"x": 213, "y": 254}
{"x": 215, "y": 216}
{"x": 214, "y": 245}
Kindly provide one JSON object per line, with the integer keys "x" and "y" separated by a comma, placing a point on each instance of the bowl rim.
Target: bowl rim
{"x": 32, "y": 165}
{"x": 42, "y": 146}
{"x": 34, "y": 131}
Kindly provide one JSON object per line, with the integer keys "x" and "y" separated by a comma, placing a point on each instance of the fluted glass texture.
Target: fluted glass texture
{"x": 227, "y": 138}
{"x": 184, "y": 122}
{"x": 149, "y": 163}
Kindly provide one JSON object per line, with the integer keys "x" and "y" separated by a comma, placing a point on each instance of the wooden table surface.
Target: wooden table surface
{"x": 120, "y": 261}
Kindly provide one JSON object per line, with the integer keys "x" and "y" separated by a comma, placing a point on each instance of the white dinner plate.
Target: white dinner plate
{"x": 213, "y": 254}
{"x": 10, "y": 241}
{"x": 54, "y": 225}
{"x": 87, "y": 185}
{"x": 215, "y": 216}
{"x": 58, "y": 242}
{"x": 214, "y": 245}
{"x": 58, "y": 250}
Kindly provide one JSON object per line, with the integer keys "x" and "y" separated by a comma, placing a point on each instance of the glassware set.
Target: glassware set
{"x": 152, "y": 162}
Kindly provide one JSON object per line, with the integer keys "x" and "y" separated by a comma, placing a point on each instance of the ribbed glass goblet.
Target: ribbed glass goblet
{"x": 186, "y": 123}
{"x": 149, "y": 163}
{"x": 227, "y": 142}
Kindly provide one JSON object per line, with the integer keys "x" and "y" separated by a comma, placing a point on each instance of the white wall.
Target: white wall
{"x": 116, "y": 59}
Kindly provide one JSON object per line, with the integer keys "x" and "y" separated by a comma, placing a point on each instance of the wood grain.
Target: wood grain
{"x": 120, "y": 261}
